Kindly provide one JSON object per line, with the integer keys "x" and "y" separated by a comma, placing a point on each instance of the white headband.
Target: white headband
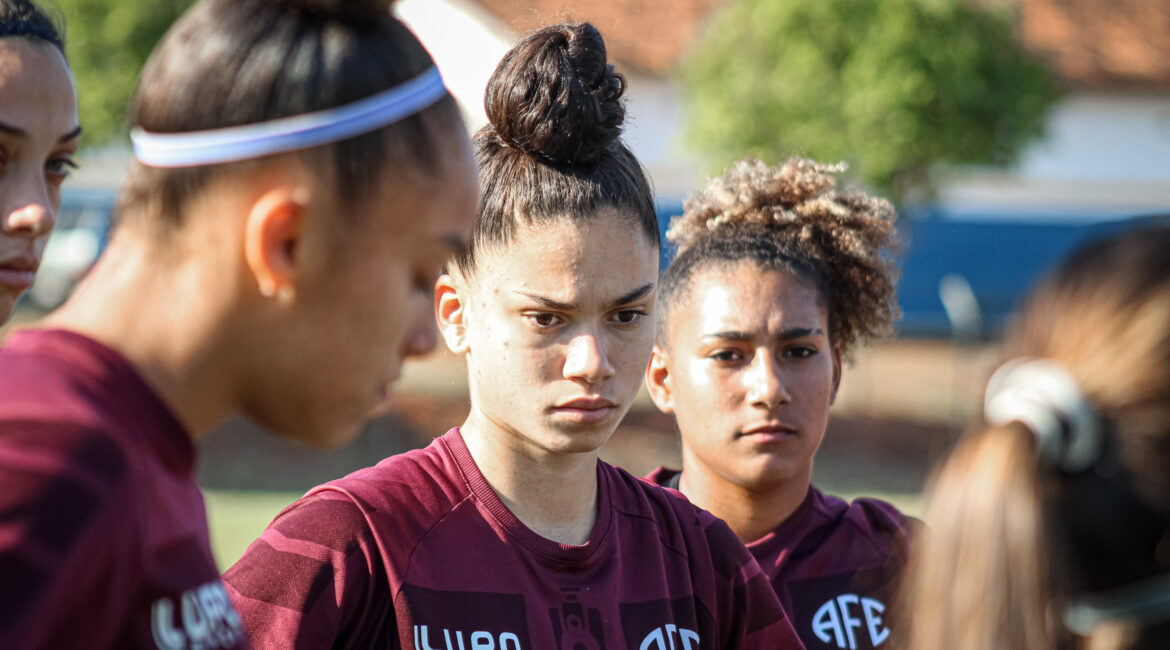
{"x": 1046, "y": 399}
{"x": 235, "y": 143}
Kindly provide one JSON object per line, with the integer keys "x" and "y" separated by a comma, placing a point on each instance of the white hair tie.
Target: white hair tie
{"x": 1045, "y": 398}
{"x": 235, "y": 143}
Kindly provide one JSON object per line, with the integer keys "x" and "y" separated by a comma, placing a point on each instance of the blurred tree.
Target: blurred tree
{"x": 894, "y": 87}
{"x": 108, "y": 42}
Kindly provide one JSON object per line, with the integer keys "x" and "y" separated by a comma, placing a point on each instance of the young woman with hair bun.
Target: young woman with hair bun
{"x": 301, "y": 178}
{"x": 508, "y": 532}
{"x": 1050, "y": 523}
{"x": 39, "y": 134}
{"x": 778, "y": 278}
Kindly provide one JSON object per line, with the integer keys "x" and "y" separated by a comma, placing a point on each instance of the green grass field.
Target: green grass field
{"x": 238, "y": 517}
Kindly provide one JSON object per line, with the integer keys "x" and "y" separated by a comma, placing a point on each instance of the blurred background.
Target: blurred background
{"x": 1006, "y": 131}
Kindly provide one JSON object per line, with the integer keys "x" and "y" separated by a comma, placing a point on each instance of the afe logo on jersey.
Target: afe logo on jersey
{"x": 671, "y": 637}
{"x": 840, "y": 620}
{"x": 454, "y": 640}
{"x": 207, "y": 620}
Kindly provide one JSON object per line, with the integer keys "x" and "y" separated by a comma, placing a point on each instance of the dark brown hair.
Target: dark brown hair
{"x": 552, "y": 148}
{"x": 793, "y": 219}
{"x": 1012, "y": 540}
{"x": 234, "y": 62}
{"x": 24, "y": 18}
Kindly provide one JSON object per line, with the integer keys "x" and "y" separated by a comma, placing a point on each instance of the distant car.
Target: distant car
{"x": 78, "y": 239}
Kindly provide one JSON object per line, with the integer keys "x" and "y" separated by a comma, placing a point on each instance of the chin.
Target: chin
{"x": 319, "y": 433}
{"x": 576, "y": 439}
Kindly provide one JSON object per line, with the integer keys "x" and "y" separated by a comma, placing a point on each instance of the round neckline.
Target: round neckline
{"x": 534, "y": 542}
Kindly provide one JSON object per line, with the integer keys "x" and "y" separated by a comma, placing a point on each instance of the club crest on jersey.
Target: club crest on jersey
{"x": 671, "y": 637}
{"x": 205, "y": 617}
{"x": 842, "y": 621}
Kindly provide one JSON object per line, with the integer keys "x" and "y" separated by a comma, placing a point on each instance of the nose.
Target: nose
{"x": 29, "y": 212}
{"x": 587, "y": 359}
{"x": 765, "y": 387}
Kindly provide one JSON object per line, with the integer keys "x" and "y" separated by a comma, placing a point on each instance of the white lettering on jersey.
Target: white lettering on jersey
{"x": 453, "y": 640}
{"x": 664, "y": 638}
{"x": 207, "y": 620}
{"x": 835, "y": 616}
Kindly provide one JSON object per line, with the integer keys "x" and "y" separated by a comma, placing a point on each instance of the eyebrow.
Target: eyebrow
{"x": 785, "y": 335}
{"x": 69, "y": 136}
{"x": 623, "y": 299}
{"x": 21, "y": 133}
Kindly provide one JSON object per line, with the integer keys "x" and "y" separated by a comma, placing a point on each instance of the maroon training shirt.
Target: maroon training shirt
{"x": 834, "y": 566}
{"x": 103, "y": 534}
{"x": 419, "y": 552}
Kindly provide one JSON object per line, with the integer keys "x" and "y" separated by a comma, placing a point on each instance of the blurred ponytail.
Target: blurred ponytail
{"x": 982, "y": 581}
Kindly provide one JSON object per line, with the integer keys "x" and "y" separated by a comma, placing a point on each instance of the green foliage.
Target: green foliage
{"x": 107, "y": 42}
{"x": 894, "y": 87}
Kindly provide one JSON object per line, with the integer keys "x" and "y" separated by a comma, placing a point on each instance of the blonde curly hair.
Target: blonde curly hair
{"x": 793, "y": 218}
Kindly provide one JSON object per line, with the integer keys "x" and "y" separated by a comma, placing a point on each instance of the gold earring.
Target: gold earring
{"x": 286, "y": 294}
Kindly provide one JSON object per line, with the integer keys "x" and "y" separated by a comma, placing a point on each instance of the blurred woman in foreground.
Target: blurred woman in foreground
{"x": 1050, "y": 526}
{"x": 302, "y": 177}
{"x": 38, "y": 137}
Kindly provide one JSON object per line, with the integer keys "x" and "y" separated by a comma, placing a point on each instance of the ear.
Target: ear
{"x": 658, "y": 380}
{"x": 836, "y": 373}
{"x": 272, "y": 231}
{"x": 451, "y": 312}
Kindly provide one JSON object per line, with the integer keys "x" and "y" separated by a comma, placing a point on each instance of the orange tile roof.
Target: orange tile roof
{"x": 1088, "y": 42}
{"x": 650, "y": 35}
{"x": 1101, "y": 42}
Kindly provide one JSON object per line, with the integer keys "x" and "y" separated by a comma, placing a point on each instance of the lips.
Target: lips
{"x": 586, "y": 409}
{"x": 768, "y": 432}
{"x": 19, "y": 272}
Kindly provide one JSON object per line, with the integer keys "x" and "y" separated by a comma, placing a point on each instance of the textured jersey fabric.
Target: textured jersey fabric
{"x": 834, "y": 566}
{"x": 419, "y": 552}
{"x": 103, "y": 534}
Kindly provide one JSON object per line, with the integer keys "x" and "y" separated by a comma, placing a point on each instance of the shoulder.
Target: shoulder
{"x": 386, "y": 508}
{"x": 888, "y": 530}
{"x": 681, "y": 524}
{"x": 413, "y": 489}
{"x": 57, "y": 475}
{"x": 67, "y": 496}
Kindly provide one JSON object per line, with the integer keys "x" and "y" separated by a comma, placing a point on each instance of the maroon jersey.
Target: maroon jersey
{"x": 419, "y": 552}
{"x": 834, "y": 566}
{"x": 103, "y": 535}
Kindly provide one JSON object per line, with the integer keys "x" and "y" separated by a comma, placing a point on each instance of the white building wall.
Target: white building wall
{"x": 1105, "y": 154}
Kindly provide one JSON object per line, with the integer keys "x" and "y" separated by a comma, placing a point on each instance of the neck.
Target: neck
{"x": 750, "y": 512}
{"x": 553, "y": 494}
{"x": 160, "y": 317}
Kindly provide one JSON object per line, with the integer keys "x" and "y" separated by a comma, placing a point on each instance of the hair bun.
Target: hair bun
{"x": 556, "y": 97}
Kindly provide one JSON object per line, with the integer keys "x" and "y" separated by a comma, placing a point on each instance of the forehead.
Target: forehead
{"x": 35, "y": 85}
{"x": 569, "y": 258}
{"x": 745, "y": 298}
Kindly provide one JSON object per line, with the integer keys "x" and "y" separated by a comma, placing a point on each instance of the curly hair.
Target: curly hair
{"x": 792, "y": 218}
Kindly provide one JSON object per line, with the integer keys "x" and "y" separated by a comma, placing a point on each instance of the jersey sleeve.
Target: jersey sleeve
{"x": 66, "y": 533}
{"x": 751, "y": 617}
{"x": 314, "y": 579}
